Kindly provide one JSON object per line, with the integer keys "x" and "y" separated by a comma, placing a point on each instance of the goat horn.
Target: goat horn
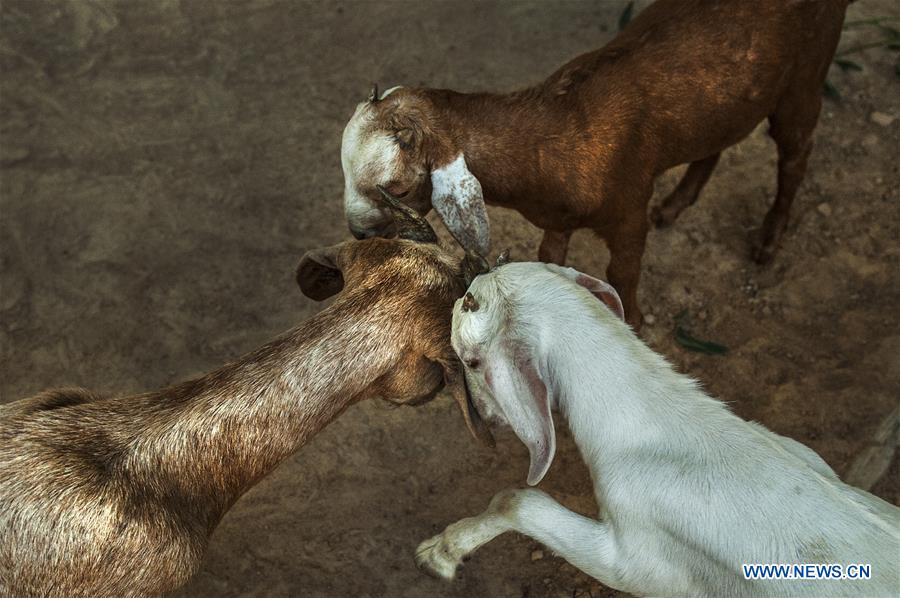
{"x": 469, "y": 303}
{"x": 409, "y": 224}
{"x": 502, "y": 259}
{"x": 373, "y": 95}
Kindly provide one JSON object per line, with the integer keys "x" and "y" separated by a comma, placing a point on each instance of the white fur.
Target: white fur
{"x": 368, "y": 158}
{"x": 457, "y": 196}
{"x": 688, "y": 492}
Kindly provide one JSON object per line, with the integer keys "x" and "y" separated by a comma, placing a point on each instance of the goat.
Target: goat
{"x": 118, "y": 496}
{"x": 688, "y": 491}
{"x": 682, "y": 82}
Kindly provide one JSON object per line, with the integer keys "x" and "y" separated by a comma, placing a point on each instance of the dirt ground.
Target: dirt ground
{"x": 165, "y": 164}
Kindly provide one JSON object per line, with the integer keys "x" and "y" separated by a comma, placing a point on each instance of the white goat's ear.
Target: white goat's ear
{"x": 318, "y": 274}
{"x": 521, "y": 394}
{"x": 600, "y": 289}
{"x": 603, "y": 291}
{"x": 455, "y": 380}
{"x": 456, "y": 195}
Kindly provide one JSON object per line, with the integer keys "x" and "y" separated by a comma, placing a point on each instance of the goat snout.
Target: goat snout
{"x": 386, "y": 230}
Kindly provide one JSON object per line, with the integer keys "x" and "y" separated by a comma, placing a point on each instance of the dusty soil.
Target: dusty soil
{"x": 165, "y": 164}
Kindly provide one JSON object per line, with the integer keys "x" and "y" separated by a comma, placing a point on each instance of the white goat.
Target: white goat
{"x": 688, "y": 491}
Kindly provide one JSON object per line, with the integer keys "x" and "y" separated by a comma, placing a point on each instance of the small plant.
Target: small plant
{"x": 692, "y": 343}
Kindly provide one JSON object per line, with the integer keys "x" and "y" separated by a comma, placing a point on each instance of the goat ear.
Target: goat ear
{"x": 521, "y": 394}
{"x": 603, "y": 291}
{"x": 600, "y": 289}
{"x": 318, "y": 274}
{"x": 456, "y": 195}
{"x": 455, "y": 380}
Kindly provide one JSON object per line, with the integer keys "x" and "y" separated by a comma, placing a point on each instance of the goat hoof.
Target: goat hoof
{"x": 434, "y": 557}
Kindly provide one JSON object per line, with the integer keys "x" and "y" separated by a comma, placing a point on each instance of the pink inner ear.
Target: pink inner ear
{"x": 604, "y": 292}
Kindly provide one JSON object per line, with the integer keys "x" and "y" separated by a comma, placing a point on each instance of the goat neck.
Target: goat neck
{"x": 215, "y": 436}
{"x": 625, "y": 396}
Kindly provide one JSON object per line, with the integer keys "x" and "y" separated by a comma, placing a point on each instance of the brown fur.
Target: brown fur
{"x": 117, "y": 496}
{"x": 685, "y": 80}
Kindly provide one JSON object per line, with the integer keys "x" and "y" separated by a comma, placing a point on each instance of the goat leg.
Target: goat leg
{"x": 554, "y": 247}
{"x": 626, "y": 249}
{"x": 791, "y": 127}
{"x": 686, "y": 193}
{"x": 585, "y": 543}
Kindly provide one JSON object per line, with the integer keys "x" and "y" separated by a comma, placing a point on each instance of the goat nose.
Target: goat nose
{"x": 361, "y": 233}
{"x": 387, "y": 230}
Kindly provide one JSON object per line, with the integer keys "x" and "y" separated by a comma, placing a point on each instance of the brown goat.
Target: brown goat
{"x": 685, "y": 80}
{"x": 118, "y": 496}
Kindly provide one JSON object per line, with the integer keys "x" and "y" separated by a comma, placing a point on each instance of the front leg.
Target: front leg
{"x": 554, "y": 247}
{"x": 626, "y": 248}
{"x": 584, "y": 542}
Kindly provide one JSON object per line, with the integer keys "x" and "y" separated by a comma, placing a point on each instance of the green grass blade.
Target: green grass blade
{"x": 683, "y": 338}
{"x": 847, "y": 65}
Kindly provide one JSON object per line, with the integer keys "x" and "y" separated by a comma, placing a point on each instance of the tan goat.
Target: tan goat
{"x": 116, "y": 496}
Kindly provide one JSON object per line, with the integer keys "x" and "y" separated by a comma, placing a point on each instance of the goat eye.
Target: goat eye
{"x": 473, "y": 363}
{"x": 404, "y": 138}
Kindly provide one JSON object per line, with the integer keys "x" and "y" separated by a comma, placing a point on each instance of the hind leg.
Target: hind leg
{"x": 791, "y": 126}
{"x": 686, "y": 193}
{"x": 554, "y": 247}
